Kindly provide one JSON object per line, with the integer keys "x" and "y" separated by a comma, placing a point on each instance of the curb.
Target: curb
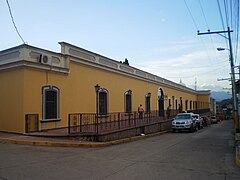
{"x": 77, "y": 144}
{"x": 237, "y": 156}
{"x": 237, "y": 146}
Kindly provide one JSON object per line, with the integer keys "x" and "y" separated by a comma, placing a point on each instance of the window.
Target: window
{"x": 186, "y": 104}
{"x": 181, "y": 104}
{"x": 102, "y": 102}
{"x": 50, "y": 102}
{"x": 169, "y": 102}
{"x": 176, "y": 104}
{"x": 148, "y": 98}
{"x": 128, "y": 101}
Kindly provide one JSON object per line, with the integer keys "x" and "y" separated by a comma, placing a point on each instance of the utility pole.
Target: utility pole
{"x": 235, "y": 101}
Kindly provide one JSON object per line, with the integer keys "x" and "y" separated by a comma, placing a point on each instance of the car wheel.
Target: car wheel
{"x": 192, "y": 129}
{"x": 196, "y": 128}
{"x": 173, "y": 130}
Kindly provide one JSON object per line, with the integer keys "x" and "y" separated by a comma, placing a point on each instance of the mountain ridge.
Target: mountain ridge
{"x": 220, "y": 95}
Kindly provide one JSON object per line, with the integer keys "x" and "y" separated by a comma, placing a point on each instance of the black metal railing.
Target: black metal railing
{"x": 91, "y": 123}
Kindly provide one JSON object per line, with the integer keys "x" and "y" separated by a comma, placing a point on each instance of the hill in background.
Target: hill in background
{"x": 220, "y": 95}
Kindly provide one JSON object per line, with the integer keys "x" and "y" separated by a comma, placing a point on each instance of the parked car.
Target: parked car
{"x": 184, "y": 121}
{"x": 214, "y": 119}
{"x": 199, "y": 121}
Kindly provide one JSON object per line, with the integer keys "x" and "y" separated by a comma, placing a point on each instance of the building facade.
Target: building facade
{"x": 53, "y": 85}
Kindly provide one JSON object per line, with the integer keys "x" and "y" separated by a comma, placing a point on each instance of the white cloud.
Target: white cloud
{"x": 188, "y": 66}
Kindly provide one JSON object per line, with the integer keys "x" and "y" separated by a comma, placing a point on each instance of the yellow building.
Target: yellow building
{"x": 52, "y": 85}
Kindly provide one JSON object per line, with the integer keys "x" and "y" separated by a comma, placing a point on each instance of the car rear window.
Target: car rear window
{"x": 195, "y": 116}
{"x": 183, "y": 116}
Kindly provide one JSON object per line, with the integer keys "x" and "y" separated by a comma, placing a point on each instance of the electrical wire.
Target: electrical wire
{"x": 213, "y": 45}
{"x": 10, "y": 11}
{"x": 227, "y": 16}
{"x": 221, "y": 16}
{"x": 231, "y": 12}
{"x": 203, "y": 13}
{"x": 226, "y": 12}
{"x": 237, "y": 29}
{"x": 207, "y": 51}
{"x": 194, "y": 22}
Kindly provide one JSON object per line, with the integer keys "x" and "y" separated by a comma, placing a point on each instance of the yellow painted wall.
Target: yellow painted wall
{"x": 77, "y": 92}
{"x": 11, "y": 102}
{"x": 180, "y": 94}
{"x": 205, "y": 101}
{"x": 22, "y": 93}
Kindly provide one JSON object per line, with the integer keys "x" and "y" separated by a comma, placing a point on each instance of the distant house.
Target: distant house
{"x": 51, "y": 85}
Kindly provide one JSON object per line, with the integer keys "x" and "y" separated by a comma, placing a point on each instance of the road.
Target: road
{"x": 206, "y": 154}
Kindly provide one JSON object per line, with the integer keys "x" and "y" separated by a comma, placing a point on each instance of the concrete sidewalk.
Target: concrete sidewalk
{"x": 63, "y": 141}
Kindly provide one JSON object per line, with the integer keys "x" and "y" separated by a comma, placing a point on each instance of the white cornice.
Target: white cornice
{"x": 22, "y": 64}
{"x": 89, "y": 58}
{"x": 28, "y": 56}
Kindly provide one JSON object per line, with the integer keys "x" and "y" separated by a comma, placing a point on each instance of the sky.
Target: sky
{"x": 157, "y": 36}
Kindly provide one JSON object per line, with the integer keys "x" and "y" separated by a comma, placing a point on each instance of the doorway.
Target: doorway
{"x": 160, "y": 103}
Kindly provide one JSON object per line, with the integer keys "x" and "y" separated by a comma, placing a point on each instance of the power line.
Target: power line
{"x": 220, "y": 11}
{"x": 231, "y": 13}
{"x": 226, "y": 12}
{"x": 221, "y": 16}
{"x": 197, "y": 28}
{"x": 213, "y": 45}
{"x": 191, "y": 15}
{"x": 237, "y": 30}
{"x": 203, "y": 13}
{"x": 10, "y": 11}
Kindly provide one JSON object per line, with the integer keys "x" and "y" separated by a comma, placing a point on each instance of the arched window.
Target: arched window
{"x": 160, "y": 103}
{"x": 102, "y": 101}
{"x": 50, "y": 100}
{"x": 191, "y": 105}
{"x": 181, "y": 105}
{"x": 186, "y": 105}
{"x": 128, "y": 101}
{"x": 176, "y": 104}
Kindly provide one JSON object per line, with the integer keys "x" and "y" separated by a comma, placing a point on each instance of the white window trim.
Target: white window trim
{"x": 45, "y": 88}
{"x": 125, "y": 100}
{"x": 99, "y": 91}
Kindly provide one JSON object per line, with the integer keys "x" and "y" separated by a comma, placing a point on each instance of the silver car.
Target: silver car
{"x": 184, "y": 121}
{"x": 199, "y": 121}
{"x": 213, "y": 119}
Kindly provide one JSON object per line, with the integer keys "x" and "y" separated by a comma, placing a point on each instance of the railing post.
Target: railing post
{"x": 135, "y": 119}
{"x": 129, "y": 120}
{"x": 69, "y": 124}
{"x": 26, "y": 123}
{"x": 96, "y": 122}
{"x": 118, "y": 120}
{"x": 80, "y": 122}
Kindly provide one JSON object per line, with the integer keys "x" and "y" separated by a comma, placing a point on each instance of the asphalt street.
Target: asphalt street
{"x": 206, "y": 154}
